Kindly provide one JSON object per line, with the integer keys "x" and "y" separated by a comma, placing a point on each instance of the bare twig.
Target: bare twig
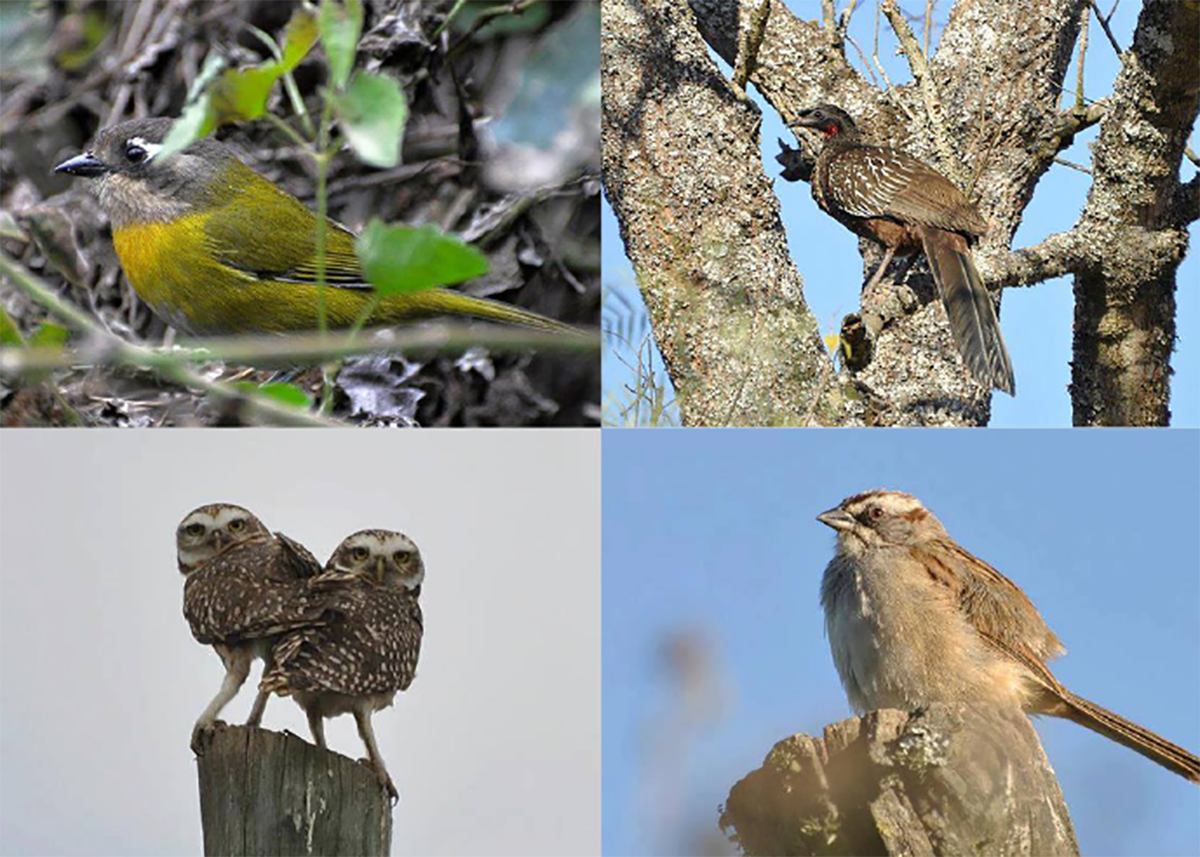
{"x": 1104, "y": 25}
{"x": 1083, "y": 42}
{"x": 928, "y": 26}
{"x": 1191, "y": 156}
{"x": 747, "y": 56}
{"x": 1073, "y": 165}
{"x": 862, "y": 56}
{"x": 924, "y": 81}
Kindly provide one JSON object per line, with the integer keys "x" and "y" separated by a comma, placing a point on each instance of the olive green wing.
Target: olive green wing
{"x": 261, "y": 230}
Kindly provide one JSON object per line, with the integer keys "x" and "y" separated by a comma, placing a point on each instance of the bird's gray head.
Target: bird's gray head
{"x": 211, "y": 530}
{"x": 136, "y": 186}
{"x": 829, "y": 120}
{"x": 881, "y": 518}
{"x": 385, "y": 557}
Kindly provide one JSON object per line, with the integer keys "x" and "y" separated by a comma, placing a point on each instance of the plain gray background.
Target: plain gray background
{"x": 496, "y": 746}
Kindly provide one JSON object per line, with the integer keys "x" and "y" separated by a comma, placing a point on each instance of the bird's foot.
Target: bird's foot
{"x": 202, "y": 735}
{"x": 385, "y": 781}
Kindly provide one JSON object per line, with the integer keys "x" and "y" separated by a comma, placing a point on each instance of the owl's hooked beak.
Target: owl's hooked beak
{"x": 380, "y": 569}
{"x": 837, "y": 518}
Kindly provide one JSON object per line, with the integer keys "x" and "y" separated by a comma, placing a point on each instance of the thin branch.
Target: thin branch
{"x": 862, "y": 56}
{"x": 928, "y": 26}
{"x": 1073, "y": 165}
{"x": 1104, "y": 25}
{"x": 747, "y": 57}
{"x": 1191, "y": 156}
{"x": 1083, "y": 43}
{"x": 924, "y": 81}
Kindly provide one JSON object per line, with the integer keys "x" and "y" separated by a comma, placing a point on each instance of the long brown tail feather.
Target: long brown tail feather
{"x": 1127, "y": 733}
{"x": 969, "y": 307}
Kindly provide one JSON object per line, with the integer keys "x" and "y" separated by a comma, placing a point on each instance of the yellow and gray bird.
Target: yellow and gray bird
{"x": 243, "y": 588}
{"x": 215, "y": 248}
{"x": 367, "y": 652}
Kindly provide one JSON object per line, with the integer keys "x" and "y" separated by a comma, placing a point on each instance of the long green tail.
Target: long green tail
{"x": 447, "y": 302}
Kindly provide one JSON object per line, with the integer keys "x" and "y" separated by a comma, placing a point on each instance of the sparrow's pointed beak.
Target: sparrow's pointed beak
{"x": 86, "y": 166}
{"x": 837, "y": 518}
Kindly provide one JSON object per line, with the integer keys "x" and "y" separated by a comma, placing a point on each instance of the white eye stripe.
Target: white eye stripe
{"x": 151, "y": 149}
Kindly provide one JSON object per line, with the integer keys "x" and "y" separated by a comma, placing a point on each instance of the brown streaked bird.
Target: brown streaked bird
{"x": 915, "y": 619}
{"x": 243, "y": 588}
{"x": 367, "y": 653}
{"x": 907, "y": 206}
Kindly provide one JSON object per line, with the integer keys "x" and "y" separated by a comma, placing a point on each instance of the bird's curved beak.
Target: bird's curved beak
{"x": 837, "y": 518}
{"x": 380, "y": 569}
{"x": 802, "y": 121}
{"x": 86, "y": 166}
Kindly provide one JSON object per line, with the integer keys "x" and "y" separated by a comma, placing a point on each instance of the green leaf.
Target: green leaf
{"x": 298, "y": 38}
{"x": 340, "y": 25}
{"x": 49, "y": 335}
{"x": 399, "y": 259}
{"x": 288, "y": 394}
{"x": 10, "y": 334}
{"x": 198, "y": 118}
{"x": 241, "y": 94}
{"x": 372, "y": 113}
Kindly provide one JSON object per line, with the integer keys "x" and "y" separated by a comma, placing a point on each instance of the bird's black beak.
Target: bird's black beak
{"x": 837, "y": 518}
{"x": 802, "y": 121}
{"x": 86, "y": 166}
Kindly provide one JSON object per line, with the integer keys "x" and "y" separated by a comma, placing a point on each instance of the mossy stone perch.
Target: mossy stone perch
{"x": 271, "y": 793}
{"x": 951, "y": 779}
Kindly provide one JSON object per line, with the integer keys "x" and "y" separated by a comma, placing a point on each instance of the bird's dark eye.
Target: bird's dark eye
{"x": 876, "y": 512}
{"x": 194, "y": 529}
{"x": 401, "y": 556}
{"x": 359, "y": 554}
{"x": 237, "y": 525}
{"x": 134, "y": 153}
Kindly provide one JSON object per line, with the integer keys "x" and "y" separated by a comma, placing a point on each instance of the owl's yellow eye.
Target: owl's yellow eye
{"x": 359, "y": 554}
{"x": 402, "y": 556}
{"x": 237, "y": 525}
{"x": 194, "y": 529}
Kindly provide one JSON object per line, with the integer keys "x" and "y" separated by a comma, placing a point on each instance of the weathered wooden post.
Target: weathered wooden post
{"x": 270, "y": 793}
{"x": 952, "y": 779}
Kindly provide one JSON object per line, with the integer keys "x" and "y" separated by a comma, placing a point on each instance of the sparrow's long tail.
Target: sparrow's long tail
{"x": 1137, "y": 738}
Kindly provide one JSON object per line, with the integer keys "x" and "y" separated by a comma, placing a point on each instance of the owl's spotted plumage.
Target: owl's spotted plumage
{"x": 243, "y": 588}
{"x": 367, "y": 652}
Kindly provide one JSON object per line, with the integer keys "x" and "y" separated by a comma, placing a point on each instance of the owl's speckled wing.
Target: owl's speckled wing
{"x": 296, "y": 558}
{"x": 248, "y": 592}
{"x": 370, "y": 646}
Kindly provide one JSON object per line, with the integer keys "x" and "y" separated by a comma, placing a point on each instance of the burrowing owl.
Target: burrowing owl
{"x": 368, "y": 651}
{"x": 243, "y": 588}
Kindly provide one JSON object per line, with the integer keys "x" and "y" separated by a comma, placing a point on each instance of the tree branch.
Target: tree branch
{"x": 924, "y": 80}
{"x": 1055, "y": 256}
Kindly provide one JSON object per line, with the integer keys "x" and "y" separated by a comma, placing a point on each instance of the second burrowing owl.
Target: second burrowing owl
{"x": 367, "y": 652}
{"x": 243, "y": 588}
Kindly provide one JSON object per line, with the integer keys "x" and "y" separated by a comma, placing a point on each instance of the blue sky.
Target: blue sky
{"x": 1036, "y": 321}
{"x": 710, "y": 534}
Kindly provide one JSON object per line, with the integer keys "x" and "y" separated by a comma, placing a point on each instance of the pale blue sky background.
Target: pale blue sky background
{"x": 1036, "y": 321}
{"x": 713, "y": 533}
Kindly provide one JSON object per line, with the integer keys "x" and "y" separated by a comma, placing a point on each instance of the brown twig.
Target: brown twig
{"x": 924, "y": 81}
{"x": 1104, "y": 25}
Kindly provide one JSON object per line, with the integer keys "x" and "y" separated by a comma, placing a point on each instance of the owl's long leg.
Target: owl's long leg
{"x": 260, "y": 701}
{"x": 316, "y": 725}
{"x": 237, "y": 667}
{"x": 362, "y": 716}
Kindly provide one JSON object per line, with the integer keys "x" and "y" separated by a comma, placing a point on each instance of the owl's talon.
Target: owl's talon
{"x": 202, "y": 735}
